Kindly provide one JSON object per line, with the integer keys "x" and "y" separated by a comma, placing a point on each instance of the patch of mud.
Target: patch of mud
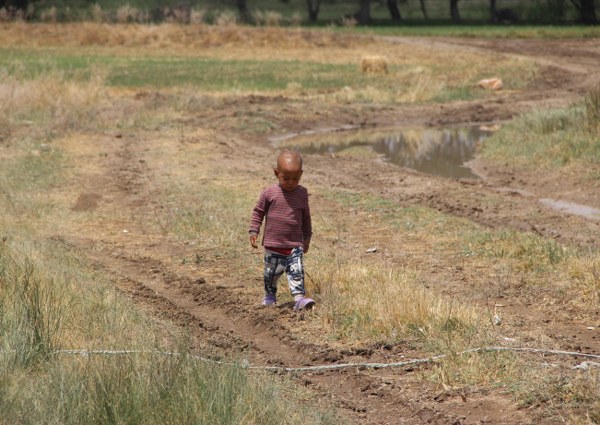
{"x": 275, "y": 140}
{"x": 87, "y": 202}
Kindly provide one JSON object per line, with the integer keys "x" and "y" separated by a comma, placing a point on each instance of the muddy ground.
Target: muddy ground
{"x": 207, "y": 299}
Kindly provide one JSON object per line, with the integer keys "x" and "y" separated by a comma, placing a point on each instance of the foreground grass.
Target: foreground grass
{"x": 50, "y": 300}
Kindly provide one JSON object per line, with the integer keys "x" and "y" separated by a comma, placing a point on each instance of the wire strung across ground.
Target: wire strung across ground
{"x": 334, "y": 366}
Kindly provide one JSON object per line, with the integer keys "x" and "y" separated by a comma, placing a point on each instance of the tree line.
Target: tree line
{"x": 585, "y": 9}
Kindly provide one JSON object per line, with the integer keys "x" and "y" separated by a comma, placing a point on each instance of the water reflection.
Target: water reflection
{"x": 438, "y": 152}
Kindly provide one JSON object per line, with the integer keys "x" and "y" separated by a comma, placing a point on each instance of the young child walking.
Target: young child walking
{"x": 287, "y": 231}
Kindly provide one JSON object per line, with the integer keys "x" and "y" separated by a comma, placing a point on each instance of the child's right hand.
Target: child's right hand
{"x": 253, "y": 241}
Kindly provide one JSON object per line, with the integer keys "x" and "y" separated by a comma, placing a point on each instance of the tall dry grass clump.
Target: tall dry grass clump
{"x": 296, "y": 19}
{"x": 268, "y": 18}
{"x": 32, "y": 307}
{"x": 592, "y": 110}
{"x": 96, "y": 13}
{"x": 52, "y": 104}
{"x": 226, "y": 19}
{"x": 4, "y": 15}
{"x": 197, "y": 16}
{"x": 127, "y": 14}
{"x": 375, "y": 302}
{"x": 49, "y": 15}
{"x": 349, "y": 21}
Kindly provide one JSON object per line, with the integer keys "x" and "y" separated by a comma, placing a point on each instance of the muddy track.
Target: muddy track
{"x": 223, "y": 324}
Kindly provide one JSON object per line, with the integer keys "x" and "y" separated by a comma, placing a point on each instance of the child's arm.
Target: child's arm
{"x": 257, "y": 217}
{"x": 253, "y": 237}
{"x": 306, "y": 227}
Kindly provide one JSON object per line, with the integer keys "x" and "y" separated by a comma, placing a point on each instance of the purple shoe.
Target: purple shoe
{"x": 269, "y": 299}
{"x": 304, "y": 303}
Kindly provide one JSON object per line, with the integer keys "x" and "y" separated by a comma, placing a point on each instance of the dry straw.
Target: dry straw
{"x": 185, "y": 37}
{"x": 374, "y": 65}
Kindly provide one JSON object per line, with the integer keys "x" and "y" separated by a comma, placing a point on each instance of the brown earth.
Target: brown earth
{"x": 223, "y": 315}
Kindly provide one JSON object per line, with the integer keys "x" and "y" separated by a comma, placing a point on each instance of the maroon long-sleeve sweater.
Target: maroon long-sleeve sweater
{"x": 288, "y": 223}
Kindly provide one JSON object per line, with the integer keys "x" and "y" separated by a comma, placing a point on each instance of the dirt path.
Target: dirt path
{"x": 207, "y": 300}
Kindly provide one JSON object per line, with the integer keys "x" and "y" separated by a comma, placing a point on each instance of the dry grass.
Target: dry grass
{"x": 242, "y": 42}
{"x": 182, "y": 38}
{"x": 407, "y": 74}
{"x": 268, "y": 18}
{"x": 67, "y": 304}
{"x": 592, "y": 110}
{"x": 51, "y": 101}
{"x": 375, "y": 301}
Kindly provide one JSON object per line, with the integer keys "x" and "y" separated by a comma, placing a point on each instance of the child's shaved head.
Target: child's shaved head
{"x": 289, "y": 169}
{"x": 289, "y": 160}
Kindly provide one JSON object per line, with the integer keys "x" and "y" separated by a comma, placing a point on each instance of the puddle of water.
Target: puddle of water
{"x": 572, "y": 208}
{"x": 439, "y": 152}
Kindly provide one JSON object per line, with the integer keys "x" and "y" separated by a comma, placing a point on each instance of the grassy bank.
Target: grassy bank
{"x": 556, "y": 139}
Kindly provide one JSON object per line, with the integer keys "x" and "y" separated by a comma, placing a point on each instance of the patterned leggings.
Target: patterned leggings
{"x": 292, "y": 265}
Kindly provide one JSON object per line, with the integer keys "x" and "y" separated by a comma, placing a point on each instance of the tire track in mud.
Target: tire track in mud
{"x": 220, "y": 326}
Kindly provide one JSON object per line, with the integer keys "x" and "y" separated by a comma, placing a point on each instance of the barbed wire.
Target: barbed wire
{"x": 338, "y": 366}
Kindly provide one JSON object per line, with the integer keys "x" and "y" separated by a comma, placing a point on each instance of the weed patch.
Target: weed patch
{"x": 551, "y": 138}
{"x": 592, "y": 110}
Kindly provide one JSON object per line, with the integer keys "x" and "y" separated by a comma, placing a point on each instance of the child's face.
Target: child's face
{"x": 289, "y": 177}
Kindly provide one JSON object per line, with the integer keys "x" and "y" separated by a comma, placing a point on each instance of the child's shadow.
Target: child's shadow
{"x": 286, "y": 305}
